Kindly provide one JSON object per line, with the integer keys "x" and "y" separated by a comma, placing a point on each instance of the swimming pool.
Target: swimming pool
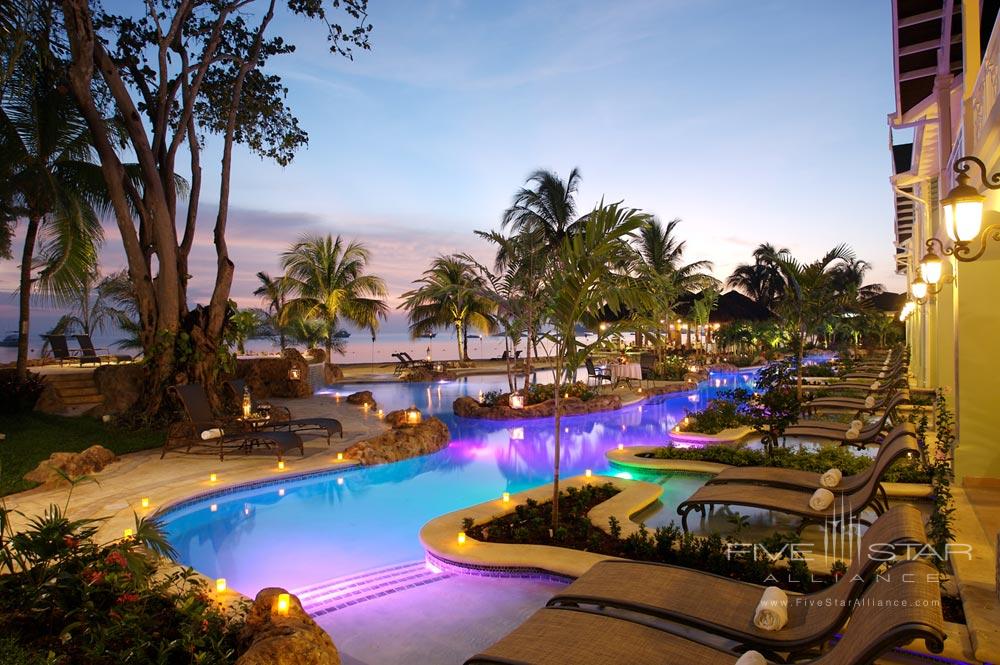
{"x": 294, "y": 533}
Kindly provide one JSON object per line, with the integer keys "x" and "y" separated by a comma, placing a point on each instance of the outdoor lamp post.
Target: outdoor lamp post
{"x": 963, "y": 213}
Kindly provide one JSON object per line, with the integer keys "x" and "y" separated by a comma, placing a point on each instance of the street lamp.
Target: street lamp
{"x": 963, "y": 213}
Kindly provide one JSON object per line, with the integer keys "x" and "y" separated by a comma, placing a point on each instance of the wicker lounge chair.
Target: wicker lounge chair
{"x": 556, "y": 636}
{"x": 792, "y": 501}
{"x": 833, "y": 430}
{"x": 281, "y": 417}
{"x": 880, "y": 397}
{"x": 59, "y": 346}
{"x": 725, "y": 607}
{"x": 230, "y": 435}
{"x": 902, "y": 443}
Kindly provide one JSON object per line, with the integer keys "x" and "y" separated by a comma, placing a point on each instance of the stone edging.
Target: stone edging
{"x": 440, "y": 535}
{"x": 726, "y": 436}
{"x": 976, "y": 578}
{"x": 630, "y": 458}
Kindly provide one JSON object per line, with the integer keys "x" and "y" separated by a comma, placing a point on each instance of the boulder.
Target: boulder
{"x": 315, "y": 356}
{"x": 73, "y": 465}
{"x": 275, "y": 639}
{"x": 402, "y": 441}
{"x": 361, "y": 398}
{"x": 332, "y": 373}
{"x": 723, "y": 367}
{"x": 268, "y": 377}
{"x": 425, "y": 374}
{"x": 120, "y": 385}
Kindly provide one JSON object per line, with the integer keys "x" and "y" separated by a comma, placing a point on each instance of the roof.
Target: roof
{"x": 731, "y": 306}
{"x": 887, "y": 301}
{"x": 919, "y": 26}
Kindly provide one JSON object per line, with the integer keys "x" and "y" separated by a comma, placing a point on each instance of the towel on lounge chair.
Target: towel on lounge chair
{"x": 821, "y": 499}
{"x": 751, "y": 658}
{"x": 831, "y": 478}
{"x": 209, "y": 434}
{"x": 875, "y": 386}
{"x": 869, "y": 402}
{"x": 856, "y": 424}
{"x": 772, "y": 610}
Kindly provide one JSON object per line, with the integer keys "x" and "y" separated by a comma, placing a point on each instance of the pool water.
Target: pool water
{"x": 298, "y": 532}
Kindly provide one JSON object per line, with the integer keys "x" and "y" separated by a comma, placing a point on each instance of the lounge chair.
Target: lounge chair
{"x": 87, "y": 349}
{"x": 833, "y": 430}
{"x": 281, "y": 417}
{"x": 402, "y": 364}
{"x": 503, "y": 356}
{"x": 725, "y": 607}
{"x": 902, "y": 443}
{"x": 556, "y": 636}
{"x": 201, "y": 432}
{"x": 596, "y": 374}
{"x": 793, "y": 501}
{"x": 879, "y": 401}
{"x": 60, "y": 351}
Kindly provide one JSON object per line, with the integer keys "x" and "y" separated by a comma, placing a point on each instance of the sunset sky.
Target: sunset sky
{"x": 750, "y": 121}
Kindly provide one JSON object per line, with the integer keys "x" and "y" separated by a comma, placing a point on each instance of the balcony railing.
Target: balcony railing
{"x": 986, "y": 90}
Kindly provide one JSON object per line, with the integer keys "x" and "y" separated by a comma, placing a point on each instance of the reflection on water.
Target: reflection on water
{"x": 317, "y": 528}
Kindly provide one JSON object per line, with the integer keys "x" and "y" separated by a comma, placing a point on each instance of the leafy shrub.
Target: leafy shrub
{"x": 63, "y": 593}
{"x": 718, "y": 414}
{"x": 817, "y": 461}
{"x": 491, "y": 398}
{"x": 19, "y": 396}
{"x": 825, "y": 369}
{"x": 671, "y": 368}
{"x": 743, "y": 359}
{"x": 542, "y": 392}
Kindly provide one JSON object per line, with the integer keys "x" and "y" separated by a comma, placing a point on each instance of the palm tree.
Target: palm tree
{"x": 245, "y": 324}
{"x": 274, "y": 291}
{"x": 761, "y": 280}
{"x": 327, "y": 277}
{"x": 52, "y": 180}
{"x": 96, "y": 307}
{"x": 314, "y": 333}
{"x": 581, "y": 283}
{"x": 450, "y": 293}
{"x": 662, "y": 253}
{"x": 545, "y": 208}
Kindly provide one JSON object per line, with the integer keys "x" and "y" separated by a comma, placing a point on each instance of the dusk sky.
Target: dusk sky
{"x": 750, "y": 121}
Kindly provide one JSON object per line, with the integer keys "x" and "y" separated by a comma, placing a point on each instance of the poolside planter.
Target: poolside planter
{"x": 726, "y": 436}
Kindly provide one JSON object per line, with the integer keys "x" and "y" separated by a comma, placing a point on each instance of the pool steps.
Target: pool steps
{"x": 337, "y": 593}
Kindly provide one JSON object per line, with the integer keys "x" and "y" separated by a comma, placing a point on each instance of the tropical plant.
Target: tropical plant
{"x": 96, "y": 307}
{"x": 761, "y": 280}
{"x": 940, "y": 525}
{"x": 662, "y": 253}
{"x": 246, "y": 324}
{"x": 52, "y": 181}
{"x": 772, "y": 406}
{"x": 274, "y": 292}
{"x": 328, "y": 279}
{"x": 451, "y": 293}
{"x": 315, "y": 333}
{"x": 590, "y": 274}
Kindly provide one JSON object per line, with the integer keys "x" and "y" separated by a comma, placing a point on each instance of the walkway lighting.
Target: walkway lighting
{"x": 212, "y": 477}
{"x": 284, "y": 602}
{"x": 281, "y": 465}
{"x": 963, "y": 213}
{"x": 461, "y": 537}
{"x": 505, "y": 497}
{"x": 516, "y": 401}
{"x": 340, "y": 457}
{"x": 413, "y": 416}
{"x": 220, "y": 584}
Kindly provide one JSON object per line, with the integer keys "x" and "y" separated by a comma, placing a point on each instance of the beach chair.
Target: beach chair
{"x": 402, "y": 365}
{"x": 59, "y": 346}
{"x": 281, "y": 417}
{"x": 560, "y": 635}
{"x": 202, "y": 432}
{"x": 834, "y": 430}
{"x": 87, "y": 350}
{"x": 725, "y": 607}
{"x": 793, "y": 501}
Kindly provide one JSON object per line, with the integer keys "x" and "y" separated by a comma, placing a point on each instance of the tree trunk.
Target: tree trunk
{"x": 24, "y": 313}
{"x": 798, "y": 369}
{"x": 558, "y": 424}
{"x": 458, "y": 337}
{"x": 507, "y": 353}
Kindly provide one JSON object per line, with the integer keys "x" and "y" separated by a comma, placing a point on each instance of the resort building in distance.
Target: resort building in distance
{"x": 946, "y": 56}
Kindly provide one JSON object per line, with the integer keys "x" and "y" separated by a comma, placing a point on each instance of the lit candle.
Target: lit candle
{"x": 281, "y": 465}
{"x": 461, "y": 537}
{"x": 381, "y": 413}
{"x": 281, "y": 491}
{"x": 621, "y": 446}
{"x": 588, "y": 473}
{"x": 284, "y": 601}
{"x": 340, "y": 481}
{"x": 212, "y": 477}
{"x": 506, "y": 497}
{"x": 128, "y": 533}
{"x": 214, "y": 507}
{"x": 340, "y": 457}
{"x": 145, "y": 502}
{"x": 220, "y": 584}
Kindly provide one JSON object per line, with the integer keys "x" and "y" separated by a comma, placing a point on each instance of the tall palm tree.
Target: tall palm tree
{"x": 662, "y": 253}
{"x": 450, "y": 293}
{"x": 545, "y": 208}
{"x": 95, "y": 308}
{"x": 52, "y": 180}
{"x": 274, "y": 292}
{"x": 761, "y": 280}
{"x": 328, "y": 278}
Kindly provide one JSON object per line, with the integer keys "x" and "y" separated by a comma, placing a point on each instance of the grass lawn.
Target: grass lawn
{"x": 32, "y": 437}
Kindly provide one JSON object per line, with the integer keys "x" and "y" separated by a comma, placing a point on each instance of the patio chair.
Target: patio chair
{"x": 554, "y": 636}
{"x": 880, "y": 401}
{"x": 834, "y": 430}
{"x": 793, "y": 501}
{"x": 87, "y": 349}
{"x": 725, "y": 607}
{"x": 595, "y": 374}
{"x": 903, "y": 443}
{"x": 503, "y": 356}
{"x": 201, "y": 432}
{"x": 281, "y": 417}
{"x": 59, "y": 346}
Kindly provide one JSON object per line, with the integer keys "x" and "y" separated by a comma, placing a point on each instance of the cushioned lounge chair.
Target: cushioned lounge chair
{"x": 558, "y": 636}
{"x": 201, "y": 432}
{"x": 725, "y": 607}
{"x": 281, "y": 417}
{"x": 901, "y": 443}
{"x": 792, "y": 501}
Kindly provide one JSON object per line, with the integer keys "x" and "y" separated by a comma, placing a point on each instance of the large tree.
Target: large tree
{"x": 173, "y": 71}
{"x": 761, "y": 280}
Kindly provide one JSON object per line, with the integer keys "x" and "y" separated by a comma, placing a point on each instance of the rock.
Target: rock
{"x": 274, "y": 639}
{"x": 723, "y": 367}
{"x": 361, "y": 398}
{"x": 467, "y": 407}
{"x": 425, "y": 374}
{"x": 332, "y": 373}
{"x": 402, "y": 441}
{"x": 120, "y": 385}
{"x": 315, "y": 356}
{"x": 74, "y": 465}
{"x": 269, "y": 377}
{"x": 695, "y": 377}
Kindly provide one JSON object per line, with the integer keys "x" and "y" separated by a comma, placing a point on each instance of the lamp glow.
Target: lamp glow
{"x": 220, "y": 584}
{"x": 127, "y": 533}
{"x": 294, "y": 374}
{"x": 461, "y": 537}
{"x": 621, "y": 446}
{"x": 281, "y": 465}
{"x": 284, "y": 602}
{"x": 413, "y": 416}
{"x": 516, "y": 401}
{"x": 212, "y": 477}
{"x": 919, "y": 288}
{"x": 506, "y": 497}
{"x": 963, "y": 211}
{"x": 588, "y": 473}
{"x": 931, "y": 268}
{"x": 340, "y": 457}
{"x": 145, "y": 502}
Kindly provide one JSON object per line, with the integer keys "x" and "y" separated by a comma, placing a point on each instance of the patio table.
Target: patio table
{"x": 626, "y": 372}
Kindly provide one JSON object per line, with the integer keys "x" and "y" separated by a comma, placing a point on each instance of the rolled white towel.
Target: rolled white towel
{"x": 821, "y": 499}
{"x": 831, "y": 478}
{"x": 856, "y": 425}
{"x": 875, "y": 386}
{"x": 869, "y": 402}
{"x": 881, "y": 375}
{"x": 772, "y": 610}
{"x": 852, "y": 434}
{"x": 209, "y": 434}
{"x": 751, "y": 658}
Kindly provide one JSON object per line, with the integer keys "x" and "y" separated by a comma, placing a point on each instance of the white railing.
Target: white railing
{"x": 987, "y": 88}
